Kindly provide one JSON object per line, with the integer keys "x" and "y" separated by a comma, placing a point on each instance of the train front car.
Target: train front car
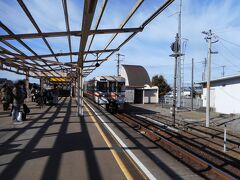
{"x": 116, "y": 93}
{"x": 108, "y": 91}
{"x": 97, "y": 90}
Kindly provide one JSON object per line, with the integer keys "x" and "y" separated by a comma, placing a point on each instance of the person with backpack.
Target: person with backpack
{"x": 19, "y": 94}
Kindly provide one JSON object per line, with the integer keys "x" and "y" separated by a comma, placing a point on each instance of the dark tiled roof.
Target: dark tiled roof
{"x": 137, "y": 75}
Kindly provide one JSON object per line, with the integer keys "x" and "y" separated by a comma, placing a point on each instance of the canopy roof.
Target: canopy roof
{"x": 35, "y": 64}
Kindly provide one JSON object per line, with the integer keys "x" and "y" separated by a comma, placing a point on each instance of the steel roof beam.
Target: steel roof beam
{"x": 88, "y": 13}
{"x": 66, "y": 33}
{"x": 17, "y": 72}
{"x": 21, "y": 42}
{"x": 60, "y": 54}
{"x": 20, "y": 66}
{"x": 27, "y": 12}
{"x": 134, "y": 9}
{"x": 103, "y": 6}
{"x": 64, "y": 3}
{"x": 145, "y": 23}
{"x": 23, "y": 57}
{"x": 33, "y": 65}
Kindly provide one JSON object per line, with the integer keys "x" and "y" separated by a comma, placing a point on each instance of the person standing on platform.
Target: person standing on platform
{"x": 33, "y": 92}
{"x": 19, "y": 94}
{"x": 6, "y": 96}
{"x": 55, "y": 94}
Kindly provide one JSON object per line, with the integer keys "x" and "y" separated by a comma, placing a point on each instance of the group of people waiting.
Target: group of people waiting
{"x": 16, "y": 97}
{"x": 47, "y": 96}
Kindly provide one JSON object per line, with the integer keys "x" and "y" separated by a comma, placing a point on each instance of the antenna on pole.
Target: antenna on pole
{"x": 118, "y": 63}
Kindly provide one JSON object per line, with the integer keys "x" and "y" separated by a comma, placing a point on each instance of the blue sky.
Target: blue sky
{"x": 150, "y": 48}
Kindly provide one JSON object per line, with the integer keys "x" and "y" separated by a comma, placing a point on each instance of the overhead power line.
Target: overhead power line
{"x": 229, "y": 41}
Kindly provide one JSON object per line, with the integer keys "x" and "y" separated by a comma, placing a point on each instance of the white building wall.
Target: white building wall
{"x": 212, "y": 97}
{"x": 123, "y": 73}
{"x": 228, "y": 99}
{"x": 225, "y": 99}
{"x": 150, "y": 95}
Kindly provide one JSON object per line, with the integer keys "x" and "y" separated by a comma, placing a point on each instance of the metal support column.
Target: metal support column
{"x": 81, "y": 91}
{"x": 27, "y": 86}
{"x": 78, "y": 92}
{"x": 41, "y": 86}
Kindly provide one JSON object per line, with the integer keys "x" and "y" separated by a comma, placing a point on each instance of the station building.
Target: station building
{"x": 224, "y": 94}
{"x": 138, "y": 85}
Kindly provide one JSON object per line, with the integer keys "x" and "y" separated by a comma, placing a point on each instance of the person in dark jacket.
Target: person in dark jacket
{"x": 6, "y": 96}
{"x": 19, "y": 94}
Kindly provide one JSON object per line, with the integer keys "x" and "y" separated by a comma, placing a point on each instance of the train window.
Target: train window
{"x": 121, "y": 87}
{"x": 102, "y": 86}
{"x": 112, "y": 86}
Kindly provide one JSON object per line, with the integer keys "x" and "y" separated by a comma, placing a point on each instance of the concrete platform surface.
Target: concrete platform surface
{"x": 54, "y": 143}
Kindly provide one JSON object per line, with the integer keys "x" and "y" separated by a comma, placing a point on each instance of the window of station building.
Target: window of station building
{"x": 112, "y": 86}
{"x": 102, "y": 86}
{"x": 121, "y": 87}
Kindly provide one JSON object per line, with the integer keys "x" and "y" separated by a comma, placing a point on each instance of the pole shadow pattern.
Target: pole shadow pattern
{"x": 64, "y": 142}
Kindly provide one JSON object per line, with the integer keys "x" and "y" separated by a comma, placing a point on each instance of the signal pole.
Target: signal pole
{"x": 118, "y": 63}
{"x": 176, "y": 53}
{"x": 179, "y": 83}
{"x": 209, "y": 37}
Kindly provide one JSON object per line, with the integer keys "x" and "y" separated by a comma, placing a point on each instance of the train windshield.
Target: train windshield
{"x": 121, "y": 87}
{"x": 112, "y": 86}
{"x": 102, "y": 86}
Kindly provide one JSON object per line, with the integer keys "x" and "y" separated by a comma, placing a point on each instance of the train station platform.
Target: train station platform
{"x": 55, "y": 143}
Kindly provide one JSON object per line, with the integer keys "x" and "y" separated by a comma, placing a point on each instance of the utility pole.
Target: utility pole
{"x": 192, "y": 84}
{"x": 204, "y": 69}
{"x": 209, "y": 37}
{"x": 176, "y": 53}
{"x": 223, "y": 72}
{"x": 118, "y": 63}
{"x": 179, "y": 84}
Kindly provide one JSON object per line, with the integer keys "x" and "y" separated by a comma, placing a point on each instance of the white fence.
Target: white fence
{"x": 185, "y": 102}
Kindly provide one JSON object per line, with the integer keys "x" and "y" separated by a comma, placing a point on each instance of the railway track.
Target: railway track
{"x": 214, "y": 136}
{"x": 203, "y": 160}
